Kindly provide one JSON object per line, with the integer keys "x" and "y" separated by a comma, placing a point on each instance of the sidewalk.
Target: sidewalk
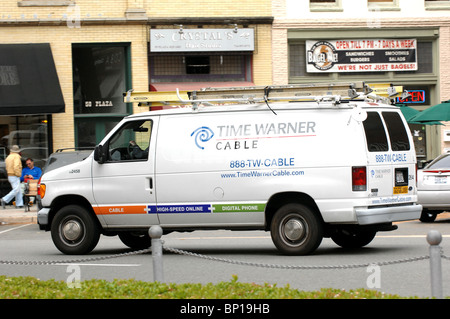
{"x": 12, "y": 215}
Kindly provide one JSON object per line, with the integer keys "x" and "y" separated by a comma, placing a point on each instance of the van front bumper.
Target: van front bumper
{"x": 42, "y": 216}
{"x": 378, "y": 215}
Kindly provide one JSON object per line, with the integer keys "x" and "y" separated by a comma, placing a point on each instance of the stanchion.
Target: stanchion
{"x": 155, "y": 233}
{"x": 434, "y": 238}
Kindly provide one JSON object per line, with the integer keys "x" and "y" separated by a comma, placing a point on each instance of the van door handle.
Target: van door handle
{"x": 150, "y": 183}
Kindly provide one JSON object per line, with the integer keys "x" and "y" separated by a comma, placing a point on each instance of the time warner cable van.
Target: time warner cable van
{"x": 303, "y": 162}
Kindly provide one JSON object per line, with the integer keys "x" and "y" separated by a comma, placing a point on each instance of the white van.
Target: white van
{"x": 334, "y": 167}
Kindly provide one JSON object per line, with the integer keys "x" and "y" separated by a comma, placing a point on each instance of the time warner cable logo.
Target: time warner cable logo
{"x": 202, "y": 135}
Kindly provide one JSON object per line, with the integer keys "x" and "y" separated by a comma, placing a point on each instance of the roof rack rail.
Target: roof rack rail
{"x": 256, "y": 94}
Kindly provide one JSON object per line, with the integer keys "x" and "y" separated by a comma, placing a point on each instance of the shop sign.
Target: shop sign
{"x": 416, "y": 96}
{"x": 201, "y": 40}
{"x": 366, "y": 55}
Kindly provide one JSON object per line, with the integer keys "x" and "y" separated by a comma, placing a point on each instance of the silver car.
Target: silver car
{"x": 433, "y": 188}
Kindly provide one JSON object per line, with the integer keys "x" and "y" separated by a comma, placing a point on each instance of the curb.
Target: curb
{"x": 17, "y": 216}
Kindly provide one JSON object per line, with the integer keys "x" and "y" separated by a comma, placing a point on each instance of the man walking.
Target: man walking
{"x": 14, "y": 170}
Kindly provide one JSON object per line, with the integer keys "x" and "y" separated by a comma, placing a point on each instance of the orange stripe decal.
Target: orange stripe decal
{"x": 119, "y": 210}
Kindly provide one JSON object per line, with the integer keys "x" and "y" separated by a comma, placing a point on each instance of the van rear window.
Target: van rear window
{"x": 397, "y": 132}
{"x": 375, "y": 133}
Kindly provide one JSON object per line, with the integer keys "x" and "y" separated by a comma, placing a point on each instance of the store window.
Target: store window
{"x": 101, "y": 74}
{"x": 31, "y": 133}
{"x": 200, "y": 68}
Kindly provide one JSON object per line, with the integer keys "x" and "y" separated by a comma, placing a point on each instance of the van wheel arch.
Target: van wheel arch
{"x": 280, "y": 199}
{"x": 60, "y": 202}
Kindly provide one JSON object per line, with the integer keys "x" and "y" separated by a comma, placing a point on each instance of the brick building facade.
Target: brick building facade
{"x": 101, "y": 49}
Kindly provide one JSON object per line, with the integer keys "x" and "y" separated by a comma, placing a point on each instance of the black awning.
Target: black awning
{"x": 29, "y": 83}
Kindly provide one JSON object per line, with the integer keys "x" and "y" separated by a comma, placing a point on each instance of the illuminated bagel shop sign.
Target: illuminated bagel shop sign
{"x": 364, "y": 55}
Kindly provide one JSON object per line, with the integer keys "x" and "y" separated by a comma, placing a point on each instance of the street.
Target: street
{"x": 407, "y": 275}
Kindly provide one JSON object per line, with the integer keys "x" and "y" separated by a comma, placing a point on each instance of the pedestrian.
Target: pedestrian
{"x": 31, "y": 171}
{"x": 14, "y": 170}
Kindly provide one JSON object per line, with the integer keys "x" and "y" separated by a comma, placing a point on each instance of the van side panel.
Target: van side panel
{"x": 221, "y": 169}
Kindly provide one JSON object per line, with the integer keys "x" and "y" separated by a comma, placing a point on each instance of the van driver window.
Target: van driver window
{"x": 131, "y": 142}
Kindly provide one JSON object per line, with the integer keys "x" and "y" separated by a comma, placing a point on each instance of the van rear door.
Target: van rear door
{"x": 391, "y": 158}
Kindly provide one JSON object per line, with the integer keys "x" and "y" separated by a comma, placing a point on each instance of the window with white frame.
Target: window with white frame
{"x": 437, "y": 4}
{"x": 325, "y": 5}
{"x": 383, "y": 5}
{"x": 45, "y": 3}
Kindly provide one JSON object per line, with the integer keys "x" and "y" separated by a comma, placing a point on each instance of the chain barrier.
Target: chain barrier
{"x": 217, "y": 259}
{"x": 295, "y": 267}
{"x": 73, "y": 261}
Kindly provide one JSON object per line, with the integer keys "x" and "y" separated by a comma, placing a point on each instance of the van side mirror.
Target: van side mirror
{"x": 100, "y": 154}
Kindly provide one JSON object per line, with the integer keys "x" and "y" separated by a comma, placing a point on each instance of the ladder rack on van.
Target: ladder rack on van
{"x": 319, "y": 92}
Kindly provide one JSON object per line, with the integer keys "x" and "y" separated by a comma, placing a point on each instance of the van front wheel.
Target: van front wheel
{"x": 74, "y": 231}
{"x": 296, "y": 230}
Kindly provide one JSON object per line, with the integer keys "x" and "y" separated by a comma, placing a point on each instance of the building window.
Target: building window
{"x": 200, "y": 68}
{"x": 437, "y": 4}
{"x": 425, "y": 58}
{"x": 31, "y": 133}
{"x": 383, "y": 5}
{"x": 325, "y": 5}
{"x": 101, "y": 74}
{"x": 197, "y": 65}
{"x": 45, "y": 3}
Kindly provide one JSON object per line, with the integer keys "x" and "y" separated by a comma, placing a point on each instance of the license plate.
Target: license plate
{"x": 440, "y": 179}
{"x": 399, "y": 178}
{"x": 400, "y": 190}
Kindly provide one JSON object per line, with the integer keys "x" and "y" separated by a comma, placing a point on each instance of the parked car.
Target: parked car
{"x": 433, "y": 188}
{"x": 62, "y": 157}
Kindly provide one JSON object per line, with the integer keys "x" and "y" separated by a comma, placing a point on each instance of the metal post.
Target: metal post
{"x": 155, "y": 233}
{"x": 434, "y": 238}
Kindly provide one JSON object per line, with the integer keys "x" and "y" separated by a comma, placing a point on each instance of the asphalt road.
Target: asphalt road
{"x": 407, "y": 275}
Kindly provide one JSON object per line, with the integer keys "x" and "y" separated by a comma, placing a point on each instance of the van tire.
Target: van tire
{"x": 353, "y": 239}
{"x": 135, "y": 240}
{"x": 74, "y": 230}
{"x": 296, "y": 229}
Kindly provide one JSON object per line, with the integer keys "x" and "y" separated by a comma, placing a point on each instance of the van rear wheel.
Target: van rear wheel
{"x": 74, "y": 230}
{"x": 296, "y": 230}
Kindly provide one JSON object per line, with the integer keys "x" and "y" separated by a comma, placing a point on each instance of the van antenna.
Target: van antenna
{"x": 266, "y": 96}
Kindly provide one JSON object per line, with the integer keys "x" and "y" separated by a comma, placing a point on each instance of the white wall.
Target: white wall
{"x": 358, "y": 9}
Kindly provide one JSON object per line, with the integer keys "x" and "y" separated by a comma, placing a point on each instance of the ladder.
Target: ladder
{"x": 319, "y": 92}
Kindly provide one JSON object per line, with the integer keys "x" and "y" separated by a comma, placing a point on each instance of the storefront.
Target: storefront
{"x": 31, "y": 93}
{"x": 101, "y": 74}
{"x": 191, "y": 57}
{"x": 405, "y": 58}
